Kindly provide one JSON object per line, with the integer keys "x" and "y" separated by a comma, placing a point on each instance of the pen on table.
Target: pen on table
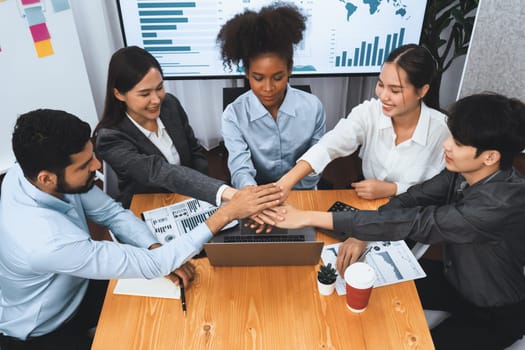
{"x": 182, "y": 295}
{"x": 363, "y": 255}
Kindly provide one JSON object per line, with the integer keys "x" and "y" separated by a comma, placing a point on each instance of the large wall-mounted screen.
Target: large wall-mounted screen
{"x": 342, "y": 37}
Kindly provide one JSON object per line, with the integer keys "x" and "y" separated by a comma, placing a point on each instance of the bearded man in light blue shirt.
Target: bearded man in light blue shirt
{"x": 51, "y": 272}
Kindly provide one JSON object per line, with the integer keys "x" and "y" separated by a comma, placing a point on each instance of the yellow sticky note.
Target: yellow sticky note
{"x": 44, "y": 48}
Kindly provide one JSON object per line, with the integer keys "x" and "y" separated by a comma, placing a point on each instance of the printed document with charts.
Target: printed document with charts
{"x": 167, "y": 223}
{"x": 177, "y": 219}
{"x": 392, "y": 261}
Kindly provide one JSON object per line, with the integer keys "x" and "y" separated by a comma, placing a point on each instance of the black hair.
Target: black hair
{"x": 419, "y": 65}
{"x": 274, "y": 29}
{"x": 127, "y": 68}
{"x": 44, "y": 139}
{"x": 489, "y": 121}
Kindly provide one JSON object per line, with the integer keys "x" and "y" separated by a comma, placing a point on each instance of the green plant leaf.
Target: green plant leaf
{"x": 327, "y": 274}
{"x": 447, "y": 29}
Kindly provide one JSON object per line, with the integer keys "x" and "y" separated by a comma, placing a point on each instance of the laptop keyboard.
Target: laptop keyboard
{"x": 264, "y": 238}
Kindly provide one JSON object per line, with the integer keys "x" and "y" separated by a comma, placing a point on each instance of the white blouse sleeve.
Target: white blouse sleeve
{"x": 343, "y": 140}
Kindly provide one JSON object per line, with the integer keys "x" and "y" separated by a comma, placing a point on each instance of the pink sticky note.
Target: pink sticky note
{"x": 29, "y": 2}
{"x": 39, "y": 32}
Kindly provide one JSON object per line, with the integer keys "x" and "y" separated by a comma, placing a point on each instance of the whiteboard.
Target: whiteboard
{"x": 57, "y": 80}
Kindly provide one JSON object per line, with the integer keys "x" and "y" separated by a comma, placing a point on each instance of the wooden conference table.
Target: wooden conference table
{"x": 263, "y": 307}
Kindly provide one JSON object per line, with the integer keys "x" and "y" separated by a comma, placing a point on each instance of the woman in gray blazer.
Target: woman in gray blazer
{"x": 144, "y": 134}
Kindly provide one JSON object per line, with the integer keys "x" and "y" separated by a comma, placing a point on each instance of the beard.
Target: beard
{"x": 64, "y": 187}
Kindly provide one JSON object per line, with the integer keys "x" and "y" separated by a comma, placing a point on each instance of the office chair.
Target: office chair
{"x": 435, "y": 317}
{"x": 518, "y": 345}
{"x": 419, "y": 249}
{"x": 110, "y": 181}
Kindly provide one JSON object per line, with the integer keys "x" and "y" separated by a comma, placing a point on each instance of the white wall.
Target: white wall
{"x": 27, "y": 82}
{"x": 99, "y": 32}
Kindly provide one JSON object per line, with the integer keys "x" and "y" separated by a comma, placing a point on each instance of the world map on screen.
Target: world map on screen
{"x": 374, "y": 7}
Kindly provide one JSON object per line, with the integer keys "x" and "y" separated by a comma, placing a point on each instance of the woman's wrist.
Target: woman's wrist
{"x": 228, "y": 193}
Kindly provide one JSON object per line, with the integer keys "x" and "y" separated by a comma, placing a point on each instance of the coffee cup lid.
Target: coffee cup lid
{"x": 360, "y": 274}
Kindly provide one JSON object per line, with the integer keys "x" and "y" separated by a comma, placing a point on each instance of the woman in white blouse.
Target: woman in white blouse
{"x": 400, "y": 136}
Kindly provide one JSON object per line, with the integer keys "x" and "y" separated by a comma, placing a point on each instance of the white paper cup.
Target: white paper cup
{"x": 359, "y": 278}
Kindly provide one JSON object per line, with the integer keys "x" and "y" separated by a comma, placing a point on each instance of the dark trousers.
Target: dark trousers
{"x": 469, "y": 326}
{"x": 73, "y": 335}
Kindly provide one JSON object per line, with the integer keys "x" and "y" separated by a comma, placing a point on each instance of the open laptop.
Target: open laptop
{"x": 241, "y": 246}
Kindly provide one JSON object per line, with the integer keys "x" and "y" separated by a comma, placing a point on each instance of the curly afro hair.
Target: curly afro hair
{"x": 274, "y": 29}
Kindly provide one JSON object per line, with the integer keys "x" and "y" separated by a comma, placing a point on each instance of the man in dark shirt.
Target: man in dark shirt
{"x": 476, "y": 209}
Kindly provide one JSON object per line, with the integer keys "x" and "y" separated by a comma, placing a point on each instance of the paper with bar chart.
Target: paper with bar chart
{"x": 342, "y": 37}
{"x": 392, "y": 261}
{"x": 172, "y": 221}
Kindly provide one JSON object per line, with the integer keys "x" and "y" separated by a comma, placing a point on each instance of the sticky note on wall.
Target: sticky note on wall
{"x": 60, "y": 5}
{"x": 44, "y": 48}
{"x": 34, "y": 15}
{"x": 39, "y": 32}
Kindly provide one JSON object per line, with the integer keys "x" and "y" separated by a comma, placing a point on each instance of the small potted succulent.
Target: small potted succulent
{"x": 326, "y": 277}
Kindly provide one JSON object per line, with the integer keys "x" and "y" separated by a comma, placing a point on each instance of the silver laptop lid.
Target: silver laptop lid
{"x": 236, "y": 247}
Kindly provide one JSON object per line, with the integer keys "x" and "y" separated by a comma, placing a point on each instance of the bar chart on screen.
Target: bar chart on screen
{"x": 370, "y": 53}
{"x": 341, "y": 36}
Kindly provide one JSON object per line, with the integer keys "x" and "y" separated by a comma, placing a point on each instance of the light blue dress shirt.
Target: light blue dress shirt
{"x": 47, "y": 256}
{"x": 261, "y": 149}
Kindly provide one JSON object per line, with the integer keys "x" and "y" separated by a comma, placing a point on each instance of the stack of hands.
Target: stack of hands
{"x": 284, "y": 215}
{"x": 265, "y": 207}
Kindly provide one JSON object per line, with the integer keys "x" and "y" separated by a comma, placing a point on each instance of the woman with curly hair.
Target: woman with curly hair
{"x": 268, "y": 128}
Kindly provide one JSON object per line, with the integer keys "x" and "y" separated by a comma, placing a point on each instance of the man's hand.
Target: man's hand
{"x": 257, "y": 223}
{"x": 349, "y": 251}
{"x": 287, "y": 216}
{"x": 254, "y": 199}
{"x": 373, "y": 189}
{"x": 265, "y": 220}
{"x": 284, "y": 216}
{"x": 186, "y": 272}
{"x": 245, "y": 202}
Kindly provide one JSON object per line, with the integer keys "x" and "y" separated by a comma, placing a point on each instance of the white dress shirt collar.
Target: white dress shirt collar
{"x": 161, "y": 139}
{"x": 258, "y": 110}
{"x": 420, "y": 134}
{"x": 148, "y": 133}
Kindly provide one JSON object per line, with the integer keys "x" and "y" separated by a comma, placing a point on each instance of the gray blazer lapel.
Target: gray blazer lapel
{"x": 140, "y": 140}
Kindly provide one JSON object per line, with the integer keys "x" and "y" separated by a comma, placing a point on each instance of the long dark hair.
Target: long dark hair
{"x": 127, "y": 67}
{"x": 419, "y": 64}
{"x": 274, "y": 29}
